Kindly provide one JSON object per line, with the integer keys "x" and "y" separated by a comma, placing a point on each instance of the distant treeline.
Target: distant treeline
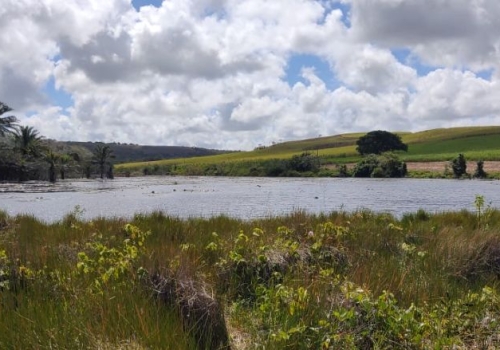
{"x": 134, "y": 153}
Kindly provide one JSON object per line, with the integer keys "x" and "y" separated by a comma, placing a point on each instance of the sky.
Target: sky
{"x": 236, "y": 74}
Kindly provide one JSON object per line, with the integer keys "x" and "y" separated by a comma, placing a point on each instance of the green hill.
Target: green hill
{"x": 430, "y": 145}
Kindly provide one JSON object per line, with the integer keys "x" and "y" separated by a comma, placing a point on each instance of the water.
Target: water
{"x": 244, "y": 198}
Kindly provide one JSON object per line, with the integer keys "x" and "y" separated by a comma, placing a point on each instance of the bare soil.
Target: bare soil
{"x": 489, "y": 166}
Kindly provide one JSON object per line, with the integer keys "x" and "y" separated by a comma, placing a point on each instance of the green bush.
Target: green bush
{"x": 459, "y": 166}
{"x": 480, "y": 173}
{"x": 385, "y": 165}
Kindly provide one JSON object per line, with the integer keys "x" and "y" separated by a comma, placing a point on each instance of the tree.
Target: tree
{"x": 7, "y": 124}
{"x": 64, "y": 161}
{"x": 459, "y": 166}
{"x": 101, "y": 156}
{"x": 51, "y": 158}
{"x": 377, "y": 142}
{"x": 27, "y": 140}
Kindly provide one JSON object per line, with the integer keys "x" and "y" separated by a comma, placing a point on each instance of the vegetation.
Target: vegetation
{"x": 479, "y": 173}
{"x": 101, "y": 156}
{"x": 350, "y": 281}
{"x": 384, "y": 165}
{"x": 379, "y": 141}
{"x": 28, "y": 141}
{"x": 459, "y": 166}
{"x": 26, "y": 155}
{"x": 125, "y": 152}
{"x": 7, "y": 123}
{"x": 475, "y": 143}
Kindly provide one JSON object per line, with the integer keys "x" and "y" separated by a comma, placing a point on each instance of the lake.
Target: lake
{"x": 244, "y": 198}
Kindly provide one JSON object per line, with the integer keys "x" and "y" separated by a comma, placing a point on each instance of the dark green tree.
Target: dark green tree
{"x": 459, "y": 166}
{"x": 7, "y": 123}
{"x": 379, "y": 141}
{"x": 101, "y": 156}
{"x": 52, "y": 158}
{"x": 28, "y": 141}
{"x": 64, "y": 162}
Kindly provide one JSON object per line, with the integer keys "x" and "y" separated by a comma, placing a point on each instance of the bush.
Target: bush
{"x": 459, "y": 166}
{"x": 366, "y": 166}
{"x": 386, "y": 165}
{"x": 480, "y": 173}
{"x": 343, "y": 172}
{"x": 304, "y": 162}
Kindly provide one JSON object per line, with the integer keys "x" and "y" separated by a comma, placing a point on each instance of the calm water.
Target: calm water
{"x": 241, "y": 197}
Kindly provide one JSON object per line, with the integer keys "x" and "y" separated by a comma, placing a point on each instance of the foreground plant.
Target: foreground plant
{"x": 338, "y": 281}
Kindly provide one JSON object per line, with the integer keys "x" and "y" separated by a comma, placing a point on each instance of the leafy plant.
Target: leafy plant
{"x": 459, "y": 166}
{"x": 479, "y": 173}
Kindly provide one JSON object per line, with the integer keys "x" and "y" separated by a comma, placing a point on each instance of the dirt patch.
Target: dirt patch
{"x": 489, "y": 166}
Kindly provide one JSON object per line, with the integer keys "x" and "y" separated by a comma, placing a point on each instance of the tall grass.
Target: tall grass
{"x": 337, "y": 280}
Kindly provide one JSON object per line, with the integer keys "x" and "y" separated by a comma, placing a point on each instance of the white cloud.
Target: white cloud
{"x": 463, "y": 33}
{"x": 212, "y": 73}
{"x": 448, "y": 95}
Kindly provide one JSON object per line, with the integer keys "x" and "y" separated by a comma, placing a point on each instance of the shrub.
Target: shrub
{"x": 304, "y": 162}
{"x": 459, "y": 166}
{"x": 343, "y": 172}
{"x": 480, "y": 173}
{"x": 366, "y": 166}
{"x": 385, "y": 165}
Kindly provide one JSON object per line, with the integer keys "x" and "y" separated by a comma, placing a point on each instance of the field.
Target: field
{"x": 476, "y": 143}
{"x": 334, "y": 281}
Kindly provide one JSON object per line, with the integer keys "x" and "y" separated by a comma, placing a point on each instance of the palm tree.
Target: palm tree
{"x": 64, "y": 161}
{"x": 101, "y": 156}
{"x": 27, "y": 141}
{"x": 51, "y": 158}
{"x": 7, "y": 124}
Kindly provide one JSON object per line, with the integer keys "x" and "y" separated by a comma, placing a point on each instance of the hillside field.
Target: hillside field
{"x": 476, "y": 143}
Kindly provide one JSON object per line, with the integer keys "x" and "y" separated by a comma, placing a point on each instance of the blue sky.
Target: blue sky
{"x": 139, "y": 3}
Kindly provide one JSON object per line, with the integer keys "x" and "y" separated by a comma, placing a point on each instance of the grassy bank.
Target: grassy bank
{"x": 476, "y": 143}
{"x": 341, "y": 280}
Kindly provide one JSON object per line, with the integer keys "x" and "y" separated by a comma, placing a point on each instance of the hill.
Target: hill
{"x": 430, "y": 145}
{"x": 132, "y": 153}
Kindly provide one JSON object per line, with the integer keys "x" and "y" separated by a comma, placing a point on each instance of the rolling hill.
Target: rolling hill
{"x": 430, "y": 145}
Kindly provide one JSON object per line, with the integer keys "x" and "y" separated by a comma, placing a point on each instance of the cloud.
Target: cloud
{"x": 448, "y": 95}
{"x": 213, "y": 73}
{"x": 463, "y": 33}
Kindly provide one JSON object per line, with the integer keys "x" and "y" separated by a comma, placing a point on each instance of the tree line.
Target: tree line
{"x": 27, "y": 155}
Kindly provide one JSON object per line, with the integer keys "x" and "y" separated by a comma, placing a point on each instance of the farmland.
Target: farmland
{"x": 438, "y": 145}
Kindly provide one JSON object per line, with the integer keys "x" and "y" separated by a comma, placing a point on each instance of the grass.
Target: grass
{"x": 339, "y": 280}
{"x": 432, "y": 145}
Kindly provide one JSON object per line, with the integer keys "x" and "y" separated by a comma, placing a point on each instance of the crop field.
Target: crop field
{"x": 333, "y": 281}
{"x": 476, "y": 143}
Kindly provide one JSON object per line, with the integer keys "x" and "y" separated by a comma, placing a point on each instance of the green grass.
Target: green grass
{"x": 345, "y": 280}
{"x": 431, "y": 145}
